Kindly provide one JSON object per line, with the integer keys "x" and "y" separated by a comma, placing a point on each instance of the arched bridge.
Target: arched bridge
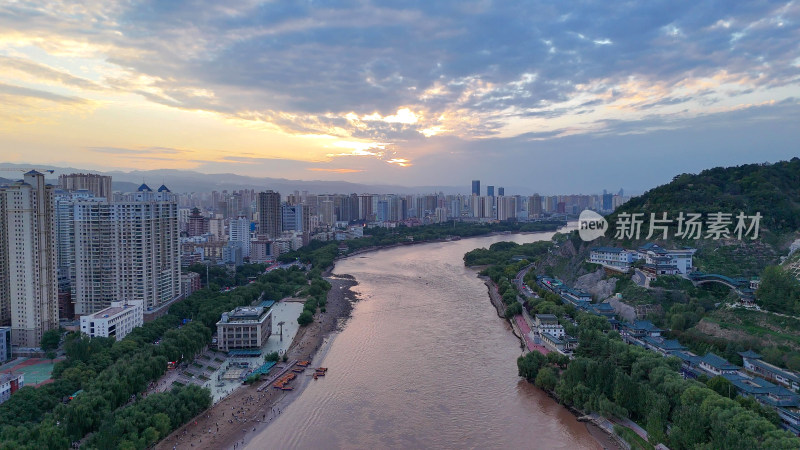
{"x": 740, "y": 285}
{"x": 698, "y": 278}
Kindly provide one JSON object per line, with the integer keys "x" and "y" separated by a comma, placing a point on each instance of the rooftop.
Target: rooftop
{"x": 718, "y": 362}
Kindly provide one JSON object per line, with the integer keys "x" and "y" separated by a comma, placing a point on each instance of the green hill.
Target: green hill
{"x": 770, "y": 189}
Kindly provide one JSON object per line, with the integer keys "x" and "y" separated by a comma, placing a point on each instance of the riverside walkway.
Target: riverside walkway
{"x": 272, "y": 379}
{"x": 525, "y": 329}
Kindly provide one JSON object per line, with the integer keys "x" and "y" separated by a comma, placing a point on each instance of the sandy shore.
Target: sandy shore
{"x": 246, "y": 412}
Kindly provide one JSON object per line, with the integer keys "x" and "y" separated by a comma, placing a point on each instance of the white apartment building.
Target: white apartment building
{"x": 548, "y": 323}
{"x": 28, "y": 260}
{"x": 615, "y": 257}
{"x": 239, "y": 231}
{"x": 115, "y": 321}
{"x": 128, "y": 249}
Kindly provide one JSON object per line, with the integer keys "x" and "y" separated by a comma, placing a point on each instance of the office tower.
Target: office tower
{"x": 476, "y": 187}
{"x": 366, "y": 207}
{"x": 328, "y": 212}
{"x": 501, "y": 191}
{"x": 99, "y": 185}
{"x": 291, "y": 217}
{"x": 534, "y": 206}
{"x": 490, "y": 191}
{"x": 608, "y": 201}
{"x": 269, "y": 214}
{"x": 239, "y": 231}
{"x": 506, "y": 208}
{"x": 29, "y": 280}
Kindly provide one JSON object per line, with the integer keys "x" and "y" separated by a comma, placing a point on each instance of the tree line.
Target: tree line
{"x": 113, "y": 375}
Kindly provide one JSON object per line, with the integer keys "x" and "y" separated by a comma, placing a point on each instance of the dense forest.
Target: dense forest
{"x": 613, "y": 378}
{"x": 773, "y": 190}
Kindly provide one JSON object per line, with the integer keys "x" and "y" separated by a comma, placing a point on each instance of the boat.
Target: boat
{"x": 303, "y": 363}
{"x": 322, "y": 369}
{"x": 298, "y": 370}
{"x": 286, "y": 388}
{"x": 319, "y": 374}
{"x": 315, "y": 376}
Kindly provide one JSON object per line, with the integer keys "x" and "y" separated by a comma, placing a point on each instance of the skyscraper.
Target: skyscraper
{"x": 28, "y": 275}
{"x": 126, "y": 250}
{"x": 476, "y": 187}
{"x": 239, "y": 231}
{"x": 501, "y": 191}
{"x": 269, "y": 214}
{"x": 99, "y": 185}
{"x": 490, "y": 191}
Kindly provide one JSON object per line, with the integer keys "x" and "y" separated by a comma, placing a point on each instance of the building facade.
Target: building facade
{"x": 116, "y": 321}
{"x": 10, "y": 383}
{"x": 269, "y": 214}
{"x": 99, "y": 185}
{"x": 29, "y": 278}
{"x": 127, "y": 250}
{"x": 5, "y": 344}
{"x": 244, "y": 327}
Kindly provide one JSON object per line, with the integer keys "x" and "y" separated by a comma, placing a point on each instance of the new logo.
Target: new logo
{"x": 591, "y": 225}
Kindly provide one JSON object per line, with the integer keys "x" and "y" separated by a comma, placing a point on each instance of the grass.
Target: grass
{"x": 758, "y": 324}
{"x": 636, "y": 441}
{"x": 219, "y": 360}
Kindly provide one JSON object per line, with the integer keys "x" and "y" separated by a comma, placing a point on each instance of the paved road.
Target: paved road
{"x": 526, "y": 333}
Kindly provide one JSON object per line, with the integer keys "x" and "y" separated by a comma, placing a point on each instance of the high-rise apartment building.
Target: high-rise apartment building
{"x": 122, "y": 251}
{"x": 99, "y": 185}
{"x": 269, "y": 214}
{"x": 239, "y": 231}
{"x": 28, "y": 259}
{"x": 534, "y": 206}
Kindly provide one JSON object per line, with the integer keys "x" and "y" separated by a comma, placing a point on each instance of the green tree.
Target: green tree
{"x": 528, "y": 366}
{"x": 306, "y": 317}
{"x": 546, "y": 379}
{"x": 51, "y": 339}
{"x": 779, "y": 291}
{"x": 722, "y": 386}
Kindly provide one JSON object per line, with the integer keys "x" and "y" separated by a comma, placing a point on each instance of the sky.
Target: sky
{"x": 545, "y": 96}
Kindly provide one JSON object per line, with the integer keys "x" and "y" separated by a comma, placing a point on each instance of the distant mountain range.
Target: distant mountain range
{"x": 189, "y": 181}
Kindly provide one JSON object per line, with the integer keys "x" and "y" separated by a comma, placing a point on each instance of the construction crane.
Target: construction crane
{"x": 18, "y": 169}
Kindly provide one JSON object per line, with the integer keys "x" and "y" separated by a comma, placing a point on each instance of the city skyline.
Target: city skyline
{"x": 523, "y": 95}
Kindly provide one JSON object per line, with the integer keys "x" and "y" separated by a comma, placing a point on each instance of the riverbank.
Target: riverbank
{"x": 246, "y": 412}
{"x": 600, "y": 435}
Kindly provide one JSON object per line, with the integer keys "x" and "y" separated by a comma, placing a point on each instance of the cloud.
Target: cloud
{"x": 137, "y": 151}
{"x": 394, "y": 79}
{"x": 324, "y": 169}
{"x": 7, "y": 90}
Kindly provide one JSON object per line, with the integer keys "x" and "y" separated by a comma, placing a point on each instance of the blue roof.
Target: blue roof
{"x": 770, "y": 368}
{"x": 163, "y": 188}
{"x": 686, "y": 357}
{"x": 267, "y": 303}
{"x": 608, "y": 249}
{"x": 144, "y": 188}
{"x": 244, "y": 352}
{"x": 750, "y": 354}
{"x": 718, "y": 362}
{"x": 664, "y": 344}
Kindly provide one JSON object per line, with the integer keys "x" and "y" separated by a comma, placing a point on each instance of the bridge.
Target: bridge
{"x": 739, "y": 285}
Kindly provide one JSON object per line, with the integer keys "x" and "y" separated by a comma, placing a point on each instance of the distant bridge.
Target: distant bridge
{"x": 740, "y": 285}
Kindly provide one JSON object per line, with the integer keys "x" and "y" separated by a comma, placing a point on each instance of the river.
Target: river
{"x": 423, "y": 362}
